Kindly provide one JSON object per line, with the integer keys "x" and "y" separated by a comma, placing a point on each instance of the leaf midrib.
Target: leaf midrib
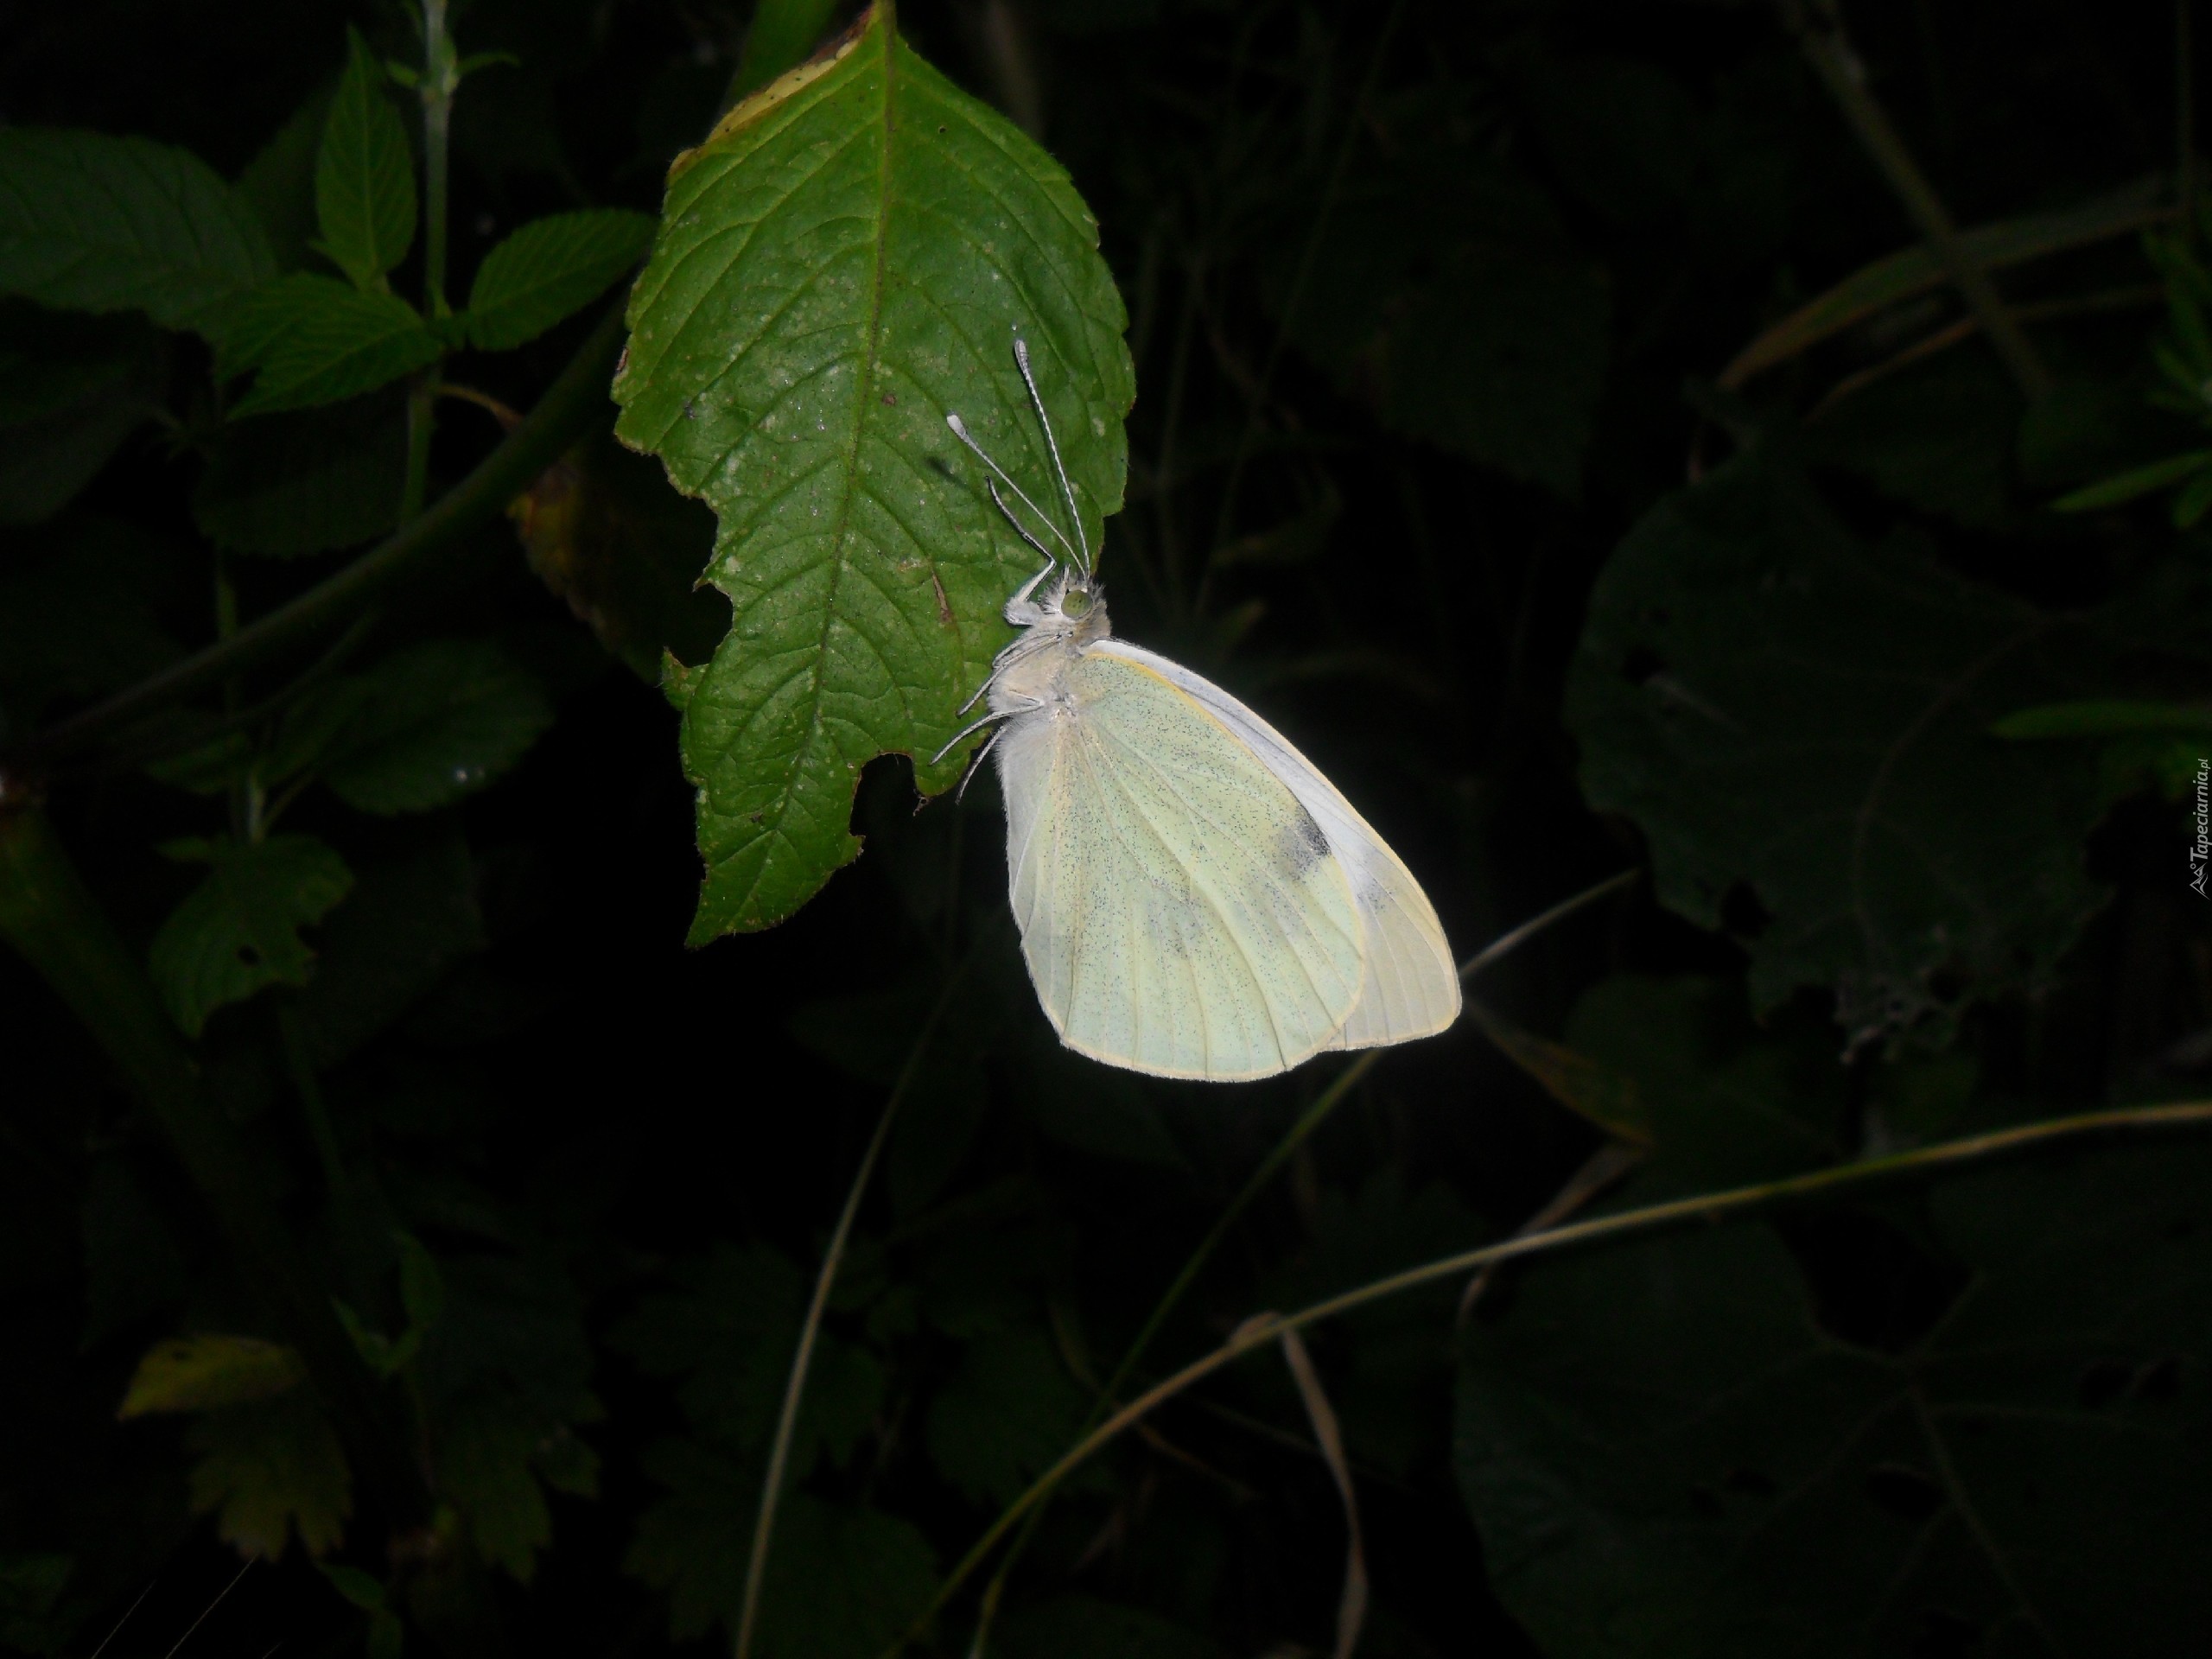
{"x": 870, "y": 354}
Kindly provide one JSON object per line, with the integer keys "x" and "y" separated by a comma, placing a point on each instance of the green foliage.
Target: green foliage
{"x": 271, "y": 1470}
{"x": 71, "y": 392}
{"x": 549, "y": 270}
{"x": 1005, "y": 1416}
{"x": 94, "y": 223}
{"x": 1666, "y": 1452}
{"x": 238, "y": 931}
{"x": 310, "y": 482}
{"x": 1446, "y": 293}
{"x": 311, "y": 340}
{"x": 364, "y": 174}
{"x": 29, "y": 1587}
{"x": 800, "y": 384}
{"x": 1783, "y": 706}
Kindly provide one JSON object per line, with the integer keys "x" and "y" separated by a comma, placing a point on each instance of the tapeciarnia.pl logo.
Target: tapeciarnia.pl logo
{"x": 2199, "y": 855}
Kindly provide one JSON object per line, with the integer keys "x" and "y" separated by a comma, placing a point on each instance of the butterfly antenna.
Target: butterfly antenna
{"x": 1019, "y": 528}
{"x": 960, "y": 431}
{"x": 1075, "y": 514}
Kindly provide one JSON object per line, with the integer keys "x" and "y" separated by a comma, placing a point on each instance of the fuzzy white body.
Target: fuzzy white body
{"x": 1195, "y": 899}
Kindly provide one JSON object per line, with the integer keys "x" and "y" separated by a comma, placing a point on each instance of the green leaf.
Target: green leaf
{"x": 271, "y": 1469}
{"x": 315, "y": 340}
{"x": 364, "y": 174}
{"x": 1009, "y": 1412}
{"x": 204, "y": 1372}
{"x": 1801, "y": 718}
{"x": 843, "y": 1580}
{"x": 847, "y": 259}
{"x": 1445, "y": 291}
{"x": 363, "y": 1589}
{"x": 428, "y": 725}
{"x": 1666, "y": 1455}
{"x": 2140, "y": 482}
{"x": 93, "y": 223}
{"x": 308, "y": 481}
{"x": 1939, "y": 435}
{"x": 549, "y": 270}
{"x": 279, "y": 181}
{"x": 238, "y": 931}
{"x": 2104, "y": 718}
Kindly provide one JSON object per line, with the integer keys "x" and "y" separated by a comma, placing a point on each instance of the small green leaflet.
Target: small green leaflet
{"x": 549, "y": 270}
{"x": 238, "y": 931}
{"x": 316, "y": 340}
{"x": 268, "y": 1469}
{"x": 846, "y": 258}
{"x": 364, "y": 174}
{"x": 93, "y": 223}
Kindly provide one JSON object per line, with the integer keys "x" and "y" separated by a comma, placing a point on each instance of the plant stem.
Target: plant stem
{"x": 570, "y": 406}
{"x": 771, "y": 1484}
{"x": 1819, "y": 27}
{"x": 440, "y": 77}
{"x": 49, "y": 915}
{"x": 1705, "y": 1208}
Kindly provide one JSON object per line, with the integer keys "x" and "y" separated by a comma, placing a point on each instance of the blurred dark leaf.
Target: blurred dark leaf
{"x": 1005, "y": 1416}
{"x": 238, "y": 931}
{"x": 804, "y": 397}
{"x": 404, "y": 923}
{"x": 71, "y": 390}
{"x": 30, "y": 1586}
{"x": 132, "y": 1265}
{"x": 431, "y": 723}
{"x": 1727, "y": 1104}
{"x": 307, "y": 482}
{"x": 1084, "y": 1627}
{"x": 1787, "y": 710}
{"x": 549, "y": 270}
{"x": 1583, "y": 1085}
{"x": 1445, "y": 293}
{"x": 279, "y": 181}
{"x": 1938, "y": 435}
{"x": 1661, "y": 1447}
{"x": 603, "y": 529}
{"x": 364, "y": 174}
{"x": 269, "y": 1469}
{"x": 843, "y": 1580}
{"x": 79, "y": 611}
{"x": 94, "y": 223}
{"x": 1624, "y": 135}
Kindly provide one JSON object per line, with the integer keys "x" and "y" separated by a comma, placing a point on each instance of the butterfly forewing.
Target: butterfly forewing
{"x": 1181, "y": 911}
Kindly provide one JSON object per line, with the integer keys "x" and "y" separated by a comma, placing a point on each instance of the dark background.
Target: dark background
{"x": 572, "y": 1093}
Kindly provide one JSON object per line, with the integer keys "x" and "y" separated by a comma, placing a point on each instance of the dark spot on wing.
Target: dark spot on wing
{"x": 1308, "y": 846}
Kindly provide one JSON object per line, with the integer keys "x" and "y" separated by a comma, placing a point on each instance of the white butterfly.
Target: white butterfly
{"x": 1195, "y": 899}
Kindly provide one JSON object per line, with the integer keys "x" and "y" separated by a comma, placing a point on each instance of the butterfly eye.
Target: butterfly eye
{"x": 1075, "y": 602}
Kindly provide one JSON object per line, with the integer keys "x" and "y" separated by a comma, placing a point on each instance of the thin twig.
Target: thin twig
{"x": 1819, "y": 27}
{"x": 756, "y": 1566}
{"x": 1707, "y": 1208}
